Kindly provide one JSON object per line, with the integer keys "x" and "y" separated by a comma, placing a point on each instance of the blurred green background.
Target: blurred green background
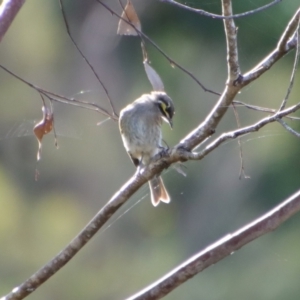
{"x": 141, "y": 243}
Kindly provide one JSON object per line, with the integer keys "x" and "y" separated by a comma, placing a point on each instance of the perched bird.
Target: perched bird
{"x": 140, "y": 126}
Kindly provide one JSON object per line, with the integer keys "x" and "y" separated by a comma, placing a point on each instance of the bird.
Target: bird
{"x": 140, "y": 127}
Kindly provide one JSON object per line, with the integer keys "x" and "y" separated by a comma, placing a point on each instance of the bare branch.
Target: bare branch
{"x": 8, "y": 11}
{"x": 215, "y": 16}
{"x": 221, "y": 249}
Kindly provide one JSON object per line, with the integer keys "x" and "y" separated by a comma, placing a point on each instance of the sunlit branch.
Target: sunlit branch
{"x": 8, "y": 11}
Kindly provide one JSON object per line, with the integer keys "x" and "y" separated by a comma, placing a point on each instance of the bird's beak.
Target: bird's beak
{"x": 169, "y": 121}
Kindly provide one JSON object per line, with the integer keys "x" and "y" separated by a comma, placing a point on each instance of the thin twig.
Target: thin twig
{"x": 296, "y": 61}
{"x": 85, "y": 58}
{"x": 233, "y": 67}
{"x": 215, "y": 16}
{"x": 63, "y": 99}
{"x": 242, "y": 168}
{"x": 288, "y": 128}
{"x": 262, "y": 109}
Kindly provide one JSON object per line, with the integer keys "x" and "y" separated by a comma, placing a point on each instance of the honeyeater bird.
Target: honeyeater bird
{"x": 140, "y": 126}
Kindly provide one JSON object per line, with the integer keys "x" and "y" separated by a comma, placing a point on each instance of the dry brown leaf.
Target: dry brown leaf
{"x": 43, "y": 127}
{"x": 131, "y": 16}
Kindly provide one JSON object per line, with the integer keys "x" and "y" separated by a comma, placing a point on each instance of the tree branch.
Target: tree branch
{"x": 62, "y": 258}
{"x": 221, "y": 249}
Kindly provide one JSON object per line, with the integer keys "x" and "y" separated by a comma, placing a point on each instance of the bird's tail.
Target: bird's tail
{"x": 158, "y": 191}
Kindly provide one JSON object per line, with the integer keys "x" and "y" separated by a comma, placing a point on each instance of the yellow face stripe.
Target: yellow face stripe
{"x": 163, "y": 106}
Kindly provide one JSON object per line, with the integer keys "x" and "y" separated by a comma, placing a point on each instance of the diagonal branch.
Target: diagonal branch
{"x": 221, "y": 249}
{"x": 62, "y": 258}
